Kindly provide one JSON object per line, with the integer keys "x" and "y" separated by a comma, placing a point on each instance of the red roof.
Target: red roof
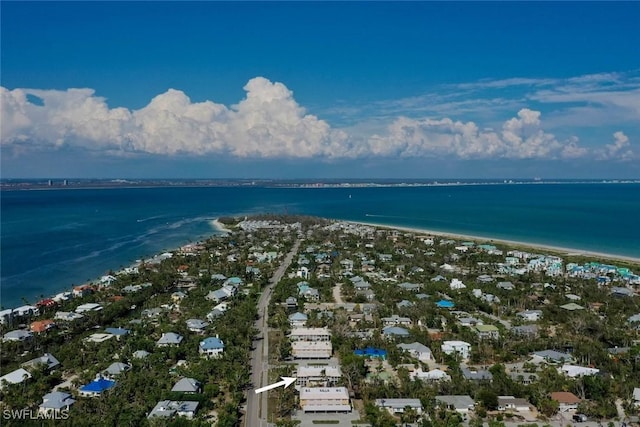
{"x": 47, "y": 302}
{"x": 42, "y": 325}
{"x": 564, "y": 397}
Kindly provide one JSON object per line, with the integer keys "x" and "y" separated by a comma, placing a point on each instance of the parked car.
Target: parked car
{"x": 579, "y": 418}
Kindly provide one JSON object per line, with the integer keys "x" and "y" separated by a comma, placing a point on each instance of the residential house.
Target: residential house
{"x": 54, "y": 402}
{"x": 525, "y": 330}
{"x": 82, "y": 291}
{"x": 430, "y": 376}
{"x": 413, "y": 287}
{"x": 169, "y": 339}
{"x": 461, "y": 348}
{"x": 394, "y": 332}
{"x": 636, "y": 397}
{"x": 463, "y": 404}
{"x": 67, "y": 316}
{"x": 14, "y": 377}
{"x": 47, "y": 360}
{"x": 84, "y": 308}
{"x": 115, "y": 369}
{"x": 197, "y": 325}
{"x": 18, "y": 335}
{"x": 399, "y": 406}
{"x": 140, "y": 354}
{"x": 445, "y": 304}
{"x": 530, "y": 315}
{"x": 507, "y": 286}
{"x": 171, "y": 408}
{"x": 487, "y": 332}
{"x": 524, "y": 378}
{"x": 211, "y": 347}
{"x": 187, "y": 385}
{"x": 551, "y": 356}
{"x": 456, "y": 284}
{"x": 477, "y": 375}
{"x": 511, "y": 403}
{"x": 404, "y": 304}
{"x": 96, "y": 387}
{"x": 574, "y": 371}
{"x": 417, "y": 350}
{"x": 117, "y": 332}
{"x": 291, "y": 303}
{"x": 325, "y": 399}
{"x": 572, "y": 306}
{"x": 396, "y": 320}
{"x": 567, "y": 401}
{"x": 298, "y": 320}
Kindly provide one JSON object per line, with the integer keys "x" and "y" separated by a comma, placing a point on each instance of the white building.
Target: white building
{"x": 325, "y": 399}
{"x": 311, "y": 349}
{"x": 398, "y": 406}
{"x": 318, "y": 376}
{"x": 310, "y": 334}
{"x": 460, "y": 347}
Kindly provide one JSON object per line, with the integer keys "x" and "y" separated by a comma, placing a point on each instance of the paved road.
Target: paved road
{"x": 257, "y": 403}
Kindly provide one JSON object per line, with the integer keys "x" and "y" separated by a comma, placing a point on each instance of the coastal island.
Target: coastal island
{"x": 379, "y": 326}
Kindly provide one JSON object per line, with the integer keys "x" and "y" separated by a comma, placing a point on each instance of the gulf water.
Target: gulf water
{"x": 53, "y": 239}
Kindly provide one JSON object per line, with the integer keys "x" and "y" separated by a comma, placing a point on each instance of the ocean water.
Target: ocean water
{"x": 52, "y": 239}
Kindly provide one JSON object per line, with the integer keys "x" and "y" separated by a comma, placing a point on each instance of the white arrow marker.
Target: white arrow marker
{"x": 286, "y": 382}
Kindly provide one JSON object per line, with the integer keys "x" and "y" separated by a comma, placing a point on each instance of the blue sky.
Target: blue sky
{"x": 304, "y": 89}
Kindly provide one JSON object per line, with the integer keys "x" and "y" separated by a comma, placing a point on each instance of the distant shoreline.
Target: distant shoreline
{"x": 536, "y": 246}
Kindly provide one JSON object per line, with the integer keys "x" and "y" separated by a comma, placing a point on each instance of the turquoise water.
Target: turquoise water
{"x": 53, "y": 239}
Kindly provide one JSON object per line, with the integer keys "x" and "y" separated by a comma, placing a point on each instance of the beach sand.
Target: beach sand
{"x": 531, "y": 246}
{"x": 220, "y": 226}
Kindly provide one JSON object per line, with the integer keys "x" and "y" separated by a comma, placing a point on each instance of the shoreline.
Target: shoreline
{"x": 221, "y": 230}
{"x": 558, "y": 249}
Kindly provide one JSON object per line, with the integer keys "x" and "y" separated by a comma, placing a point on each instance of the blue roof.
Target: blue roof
{"x": 98, "y": 386}
{"x": 117, "y": 331}
{"x": 211, "y": 343}
{"x": 445, "y": 304}
{"x": 371, "y": 352}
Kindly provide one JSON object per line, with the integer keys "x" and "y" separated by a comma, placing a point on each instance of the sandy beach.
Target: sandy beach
{"x": 532, "y": 246}
{"x": 220, "y": 226}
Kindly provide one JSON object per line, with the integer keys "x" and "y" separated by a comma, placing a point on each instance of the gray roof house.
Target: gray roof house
{"x": 55, "y": 401}
{"x": 15, "y": 377}
{"x": 552, "y": 356}
{"x": 171, "y": 408}
{"x": 418, "y": 350}
{"x": 47, "y": 360}
{"x": 477, "y": 375}
{"x": 197, "y": 325}
{"x": 459, "y": 403}
{"x": 140, "y": 354}
{"x": 116, "y": 369}
{"x": 398, "y": 406}
{"x": 187, "y": 385}
{"x": 170, "y": 338}
{"x": 18, "y": 335}
{"x": 395, "y": 331}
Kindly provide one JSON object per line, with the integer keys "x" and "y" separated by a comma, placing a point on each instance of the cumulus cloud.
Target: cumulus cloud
{"x": 521, "y": 137}
{"x": 619, "y": 149}
{"x": 267, "y": 123}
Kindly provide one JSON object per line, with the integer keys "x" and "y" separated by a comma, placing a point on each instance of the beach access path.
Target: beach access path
{"x": 256, "y": 414}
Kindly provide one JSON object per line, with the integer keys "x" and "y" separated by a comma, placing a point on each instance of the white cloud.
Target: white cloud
{"x": 619, "y": 149}
{"x": 269, "y": 123}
